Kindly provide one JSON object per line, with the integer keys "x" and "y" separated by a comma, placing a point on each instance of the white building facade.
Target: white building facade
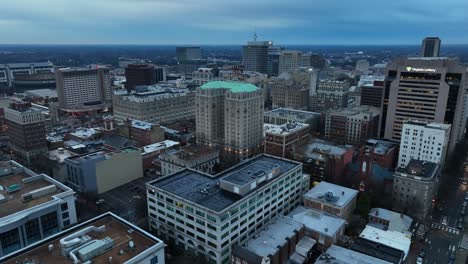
{"x": 424, "y": 141}
{"x": 199, "y": 213}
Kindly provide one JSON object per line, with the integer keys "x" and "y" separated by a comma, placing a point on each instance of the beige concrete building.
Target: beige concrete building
{"x": 104, "y": 170}
{"x": 329, "y": 94}
{"x": 353, "y": 125}
{"x": 429, "y": 89}
{"x": 83, "y": 89}
{"x": 230, "y": 114}
{"x": 157, "y": 104}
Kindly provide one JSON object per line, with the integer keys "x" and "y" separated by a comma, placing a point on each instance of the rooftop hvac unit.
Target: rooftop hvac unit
{"x": 38, "y": 193}
{"x": 95, "y": 248}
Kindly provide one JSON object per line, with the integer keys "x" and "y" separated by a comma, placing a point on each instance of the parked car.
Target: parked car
{"x": 444, "y": 220}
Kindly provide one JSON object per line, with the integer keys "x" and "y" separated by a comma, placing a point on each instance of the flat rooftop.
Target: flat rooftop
{"x": 285, "y": 129}
{"x": 381, "y": 147}
{"x": 340, "y": 255}
{"x": 85, "y": 132}
{"x": 268, "y": 240}
{"x": 190, "y": 152}
{"x": 235, "y": 87}
{"x": 393, "y": 239}
{"x": 141, "y": 125}
{"x": 318, "y": 221}
{"x": 16, "y": 182}
{"x": 331, "y": 194}
{"x": 322, "y": 147}
{"x": 188, "y": 183}
{"x": 419, "y": 169}
{"x": 159, "y": 146}
{"x": 397, "y": 222}
{"x": 120, "y": 231}
{"x": 299, "y": 115}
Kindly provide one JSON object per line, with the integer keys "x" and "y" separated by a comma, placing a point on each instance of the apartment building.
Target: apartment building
{"x": 33, "y": 207}
{"x": 414, "y": 188}
{"x": 156, "y": 104}
{"x": 331, "y": 198}
{"x": 353, "y": 125}
{"x": 423, "y": 141}
{"x": 26, "y": 131}
{"x": 279, "y": 139}
{"x": 207, "y": 214}
{"x": 230, "y": 114}
{"x": 329, "y": 95}
{"x": 83, "y": 89}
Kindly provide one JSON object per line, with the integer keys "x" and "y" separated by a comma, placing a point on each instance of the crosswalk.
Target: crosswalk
{"x": 464, "y": 242}
{"x": 445, "y": 228}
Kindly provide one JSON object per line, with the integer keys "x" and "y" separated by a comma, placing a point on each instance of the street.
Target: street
{"x": 443, "y": 238}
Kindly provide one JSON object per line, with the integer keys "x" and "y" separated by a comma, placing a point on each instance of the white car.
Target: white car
{"x": 419, "y": 260}
{"x": 444, "y": 220}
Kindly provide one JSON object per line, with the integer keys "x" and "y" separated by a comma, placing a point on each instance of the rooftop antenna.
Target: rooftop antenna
{"x": 255, "y": 34}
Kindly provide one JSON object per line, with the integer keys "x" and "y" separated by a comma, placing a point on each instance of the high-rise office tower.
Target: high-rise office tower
{"x": 289, "y": 60}
{"x": 292, "y": 89}
{"x": 230, "y": 114}
{"x": 423, "y": 141}
{"x": 329, "y": 94}
{"x": 188, "y": 53}
{"x": 274, "y": 53}
{"x": 83, "y": 89}
{"x": 255, "y": 56}
{"x": 139, "y": 74}
{"x": 26, "y": 130}
{"x": 430, "y": 47}
{"x": 428, "y": 90}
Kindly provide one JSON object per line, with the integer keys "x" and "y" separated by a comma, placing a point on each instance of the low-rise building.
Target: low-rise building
{"x": 391, "y": 246}
{"x": 324, "y": 160}
{"x": 207, "y": 215}
{"x": 157, "y": 104}
{"x": 354, "y": 125}
{"x": 414, "y": 188}
{"x": 324, "y": 228}
{"x": 389, "y": 220}
{"x": 150, "y": 153}
{"x": 340, "y": 255}
{"x": 32, "y": 207}
{"x": 85, "y": 134}
{"x": 280, "y": 241}
{"x": 279, "y": 139}
{"x": 143, "y": 133}
{"x": 331, "y": 198}
{"x": 199, "y": 157}
{"x": 104, "y": 239}
{"x": 103, "y": 170}
{"x": 57, "y": 166}
{"x": 282, "y": 116}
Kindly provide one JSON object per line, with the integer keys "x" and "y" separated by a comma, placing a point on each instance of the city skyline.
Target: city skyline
{"x": 215, "y": 22}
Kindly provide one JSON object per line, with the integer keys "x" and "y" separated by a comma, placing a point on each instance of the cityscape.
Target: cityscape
{"x": 251, "y": 153}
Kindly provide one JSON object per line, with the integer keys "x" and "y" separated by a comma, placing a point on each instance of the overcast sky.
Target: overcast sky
{"x": 232, "y": 21}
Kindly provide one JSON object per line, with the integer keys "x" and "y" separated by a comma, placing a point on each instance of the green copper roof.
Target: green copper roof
{"x": 235, "y": 87}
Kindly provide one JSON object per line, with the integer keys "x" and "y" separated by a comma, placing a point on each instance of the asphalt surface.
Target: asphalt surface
{"x": 443, "y": 237}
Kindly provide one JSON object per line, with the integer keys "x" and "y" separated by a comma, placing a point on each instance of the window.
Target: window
{"x": 49, "y": 224}
{"x": 154, "y": 260}
{"x": 64, "y": 206}
{"x": 200, "y": 213}
{"x": 65, "y": 215}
